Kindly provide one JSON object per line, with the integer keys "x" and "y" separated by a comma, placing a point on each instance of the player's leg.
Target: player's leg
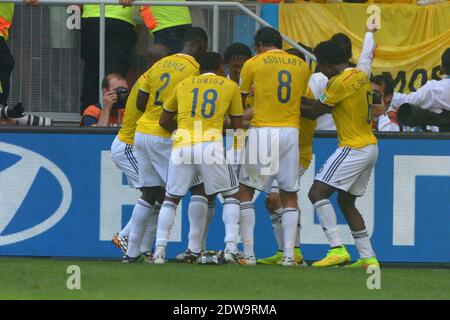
{"x": 148, "y": 152}
{"x": 123, "y": 157}
{"x": 198, "y": 218}
{"x": 354, "y": 219}
{"x": 288, "y": 179}
{"x": 247, "y": 222}
{"x": 149, "y": 238}
{"x": 176, "y": 189}
{"x": 209, "y": 219}
{"x": 319, "y": 195}
{"x": 357, "y": 226}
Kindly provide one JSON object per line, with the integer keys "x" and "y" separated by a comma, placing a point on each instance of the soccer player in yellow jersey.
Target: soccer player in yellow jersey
{"x": 122, "y": 154}
{"x": 348, "y": 96}
{"x": 273, "y": 203}
{"x": 152, "y": 142}
{"x": 271, "y": 152}
{"x": 201, "y": 104}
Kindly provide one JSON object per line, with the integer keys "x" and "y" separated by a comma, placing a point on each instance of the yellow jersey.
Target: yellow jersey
{"x": 202, "y": 103}
{"x": 159, "y": 82}
{"x": 307, "y": 128}
{"x": 131, "y": 114}
{"x": 279, "y": 80}
{"x": 349, "y": 94}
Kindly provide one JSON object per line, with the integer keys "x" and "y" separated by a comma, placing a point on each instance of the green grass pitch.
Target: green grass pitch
{"x": 33, "y": 278}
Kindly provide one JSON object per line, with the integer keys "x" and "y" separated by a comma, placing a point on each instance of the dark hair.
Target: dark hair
{"x": 329, "y": 52}
{"x": 344, "y": 42}
{"x": 195, "y": 34}
{"x": 446, "y": 61}
{"x": 383, "y": 80}
{"x": 268, "y": 37}
{"x": 107, "y": 79}
{"x": 297, "y": 52}
{"x": 237, "y": 51}
{"x": 210, "y": 61}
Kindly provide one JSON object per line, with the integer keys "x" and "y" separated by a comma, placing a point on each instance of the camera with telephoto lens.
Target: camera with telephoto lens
{"x": 23, "y": 119}
{"x": 122, "y": 96}
{"x": 412, "y": 116}
{"x": 376, "y": 98}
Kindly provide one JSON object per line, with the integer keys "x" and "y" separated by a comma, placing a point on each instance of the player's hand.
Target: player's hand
{"x": 110, "y": 99}
{"x": 371, "y": 27}
{"x": 31, "y": 3}
{"x": 126, "y": 3}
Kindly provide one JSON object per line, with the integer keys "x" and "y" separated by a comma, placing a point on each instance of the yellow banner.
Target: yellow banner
{"x": 410, "y": 41}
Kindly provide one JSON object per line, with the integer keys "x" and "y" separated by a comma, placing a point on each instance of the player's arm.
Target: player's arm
{"x": 366, "y": 57}
{"x": 312, "y": 109}
{"x": 236, "y": 110}
{"x": 246, "y": 81}
{"x": 170, "y": 109}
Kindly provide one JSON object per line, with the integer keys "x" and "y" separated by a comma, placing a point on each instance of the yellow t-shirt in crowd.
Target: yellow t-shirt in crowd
{"x": 279, "y": 80}
{"x": 159, "y": 82}
{"x": 349, "y": 94}
{"x": 202, "y": 103}
{"x": 131, "y": 115}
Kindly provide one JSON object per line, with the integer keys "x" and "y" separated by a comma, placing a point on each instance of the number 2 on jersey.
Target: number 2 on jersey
{"x": 284, "y": 82}
{"x": 206, "y": 101}
{"x": 165, "y": 78}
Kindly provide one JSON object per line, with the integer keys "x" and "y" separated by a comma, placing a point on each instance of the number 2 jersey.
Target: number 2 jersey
{"x": 201, "y": 103}
{"x": 349, "y": 94}
{"x": 159, "y": 82}
{"x": 279, "y": 80}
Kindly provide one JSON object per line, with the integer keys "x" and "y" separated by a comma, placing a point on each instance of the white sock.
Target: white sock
{"x": 230, "y": 218}
{"x": 327, "y": 218}
{"x": 165, "y": 223}
{"x": 289, "y": 221}
{"x": 275, "y": 219}
{"x": 299, "y": 229}
{"x": 209, "y": 219}
{"x": 362, "y": 243}
{"x": 247, "y": 226}
{"x": 198, "y": 215}
{"x": 125, "y": 232}
{"x": 139, "y": 219}
{"x": 150, "y": 231}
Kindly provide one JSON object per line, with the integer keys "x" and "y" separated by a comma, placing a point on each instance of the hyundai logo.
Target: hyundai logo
{"x": 21, "y": 177}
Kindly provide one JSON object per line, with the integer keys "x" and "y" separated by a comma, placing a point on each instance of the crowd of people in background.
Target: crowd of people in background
{"x": 168, "y": 24}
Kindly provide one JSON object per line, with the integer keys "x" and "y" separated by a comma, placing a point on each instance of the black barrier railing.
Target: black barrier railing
{"x": 318, "y": 134}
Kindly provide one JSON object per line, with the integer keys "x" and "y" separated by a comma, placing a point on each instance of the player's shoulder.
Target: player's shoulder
{"x": 345, "y": 76}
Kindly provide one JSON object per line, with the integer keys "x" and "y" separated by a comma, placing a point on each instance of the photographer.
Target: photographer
{"x": 421, "y": 107}
{"x": 115, "y": 94}
{"x": 385, "y": 118}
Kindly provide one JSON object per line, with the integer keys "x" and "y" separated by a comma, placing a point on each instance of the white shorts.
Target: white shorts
{"x": 124, "y": 158}
{"x": 270, "y": 153}
{"x": 349, "y": 169}
{"x": 153, "y": 154}
{"x": 218, "y": 176}
{"x": 274, "y": 187}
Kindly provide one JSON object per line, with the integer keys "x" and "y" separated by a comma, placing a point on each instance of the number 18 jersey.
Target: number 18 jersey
{"x": 279, "y": 80}
{"x": 159, "y": 82}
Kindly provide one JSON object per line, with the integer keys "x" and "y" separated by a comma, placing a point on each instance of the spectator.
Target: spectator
{"x": 6, "y": 58}
{"x": 111, "y": 114}
{"x": 434, "y": 96}
{"x": 385, "y": 118}
{"x": 120, "y": 37}
{"x": 168, "y": 24}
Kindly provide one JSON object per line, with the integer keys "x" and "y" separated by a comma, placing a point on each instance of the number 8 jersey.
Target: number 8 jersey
{"x": 159, "y": 82}
{"x": 279, "y": 80}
